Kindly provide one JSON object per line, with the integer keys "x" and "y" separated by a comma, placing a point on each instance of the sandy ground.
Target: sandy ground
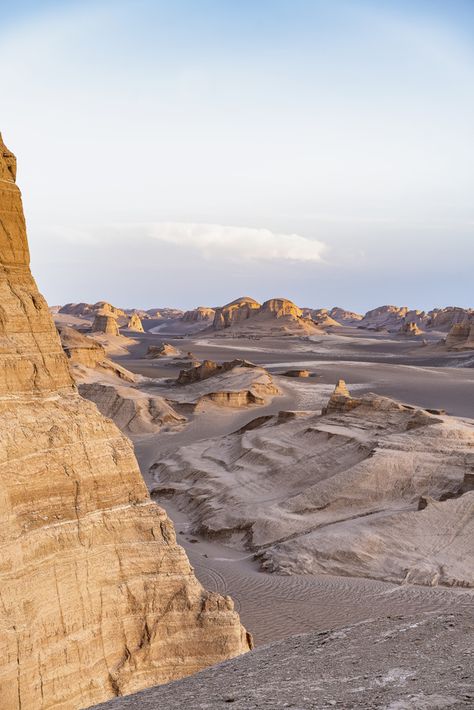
{"x": 273, "y": 607}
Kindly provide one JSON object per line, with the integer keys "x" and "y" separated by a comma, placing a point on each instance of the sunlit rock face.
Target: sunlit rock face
{"x": 98, "y": 600}
{"x": 235, "y": 312}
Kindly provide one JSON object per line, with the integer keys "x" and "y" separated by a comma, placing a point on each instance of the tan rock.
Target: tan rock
{"x": 235, "y": 312}
{"x": 199, "y": 315}
{"x": 105, "y": 323}
{"x": 97, "y": 598}
{"x": 410, "y": 328}
{"x": 297, "y": 373}
{"x": 134, "y": 323}
{"x": 163, "y": 350}
{"x": 339, "y": 493}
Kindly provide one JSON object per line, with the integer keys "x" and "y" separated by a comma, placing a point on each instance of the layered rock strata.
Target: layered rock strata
{"x": 105, "y": 323}
{"x": 98, "y": 600}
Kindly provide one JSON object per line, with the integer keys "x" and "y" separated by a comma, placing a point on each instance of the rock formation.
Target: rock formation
{"x": 297, "y": 373}
{"x": 199, "y": 315}
{"x": 410, "y": 328}
{"x": 461, "y": 335}
{"x": 397, "y": 662}
{"x": 165, "y": 313}
{"x": 351, "y": 503}
{"x": 163, "y": 350}
{"x": 98, "y": 600}
{"x": 86, "y": 355}
{"x": 321, "y": 317}
{"x": 134, "y": 323}
{"x": 209, "y": 368}
{"x": 277, "y": 316}
{"x": 132, "y": 410}
{"x": 237, "y": 383}
{"x": 105, "y": 323}
{"x": 344, "y": 317}
{"x": 90, "y": 310}
{"x": 235, "y": 312}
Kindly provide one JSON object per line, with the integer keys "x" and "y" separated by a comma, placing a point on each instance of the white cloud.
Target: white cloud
{"x": 217, "y": 241}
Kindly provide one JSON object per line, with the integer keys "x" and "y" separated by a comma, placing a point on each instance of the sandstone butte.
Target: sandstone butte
{"x": 98, "y": 600}
{"x": 105, "y": 323}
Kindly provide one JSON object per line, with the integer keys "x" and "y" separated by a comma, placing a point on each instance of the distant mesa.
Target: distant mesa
{"x": 321, "y": 317}
{"x": 235, "y": 312}
{"x": 273, "y": 317}
{"x": 199, "y": 315}
{"x": 89, "y": 310}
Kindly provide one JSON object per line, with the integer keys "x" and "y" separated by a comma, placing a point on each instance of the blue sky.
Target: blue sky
{"x": 190, "y": 151}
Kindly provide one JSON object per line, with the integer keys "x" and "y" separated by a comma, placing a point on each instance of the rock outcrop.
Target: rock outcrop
{"x": 199, "y": 315}
{"x": 411, "y": 329}
{"x": 98, "y": 599}
{"x": 461, "y": 335}
{"x": 351, "y": 503}
{"x": 209, "y": 368}
{"x": 277, "y": 316}
{"x": 235, "y": 312}
{"x": 344, "y": 317}
{"x": 81, "y": 349}
{"x": 134, "y": 323}
{"x": 105, "y": 323}
{"x": 163, "y": 350}
{"x": 132, "y": 410}
{"x": 90, "y": 310}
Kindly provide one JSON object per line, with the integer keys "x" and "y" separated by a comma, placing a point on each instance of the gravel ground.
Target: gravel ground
{"x": 421, "y": 662}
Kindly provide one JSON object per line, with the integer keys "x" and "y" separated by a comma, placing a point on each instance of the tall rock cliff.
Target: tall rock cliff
{"x": 97, "y": 599}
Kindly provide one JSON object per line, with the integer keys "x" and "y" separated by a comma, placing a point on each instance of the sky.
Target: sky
{"x": 187, "y": 152}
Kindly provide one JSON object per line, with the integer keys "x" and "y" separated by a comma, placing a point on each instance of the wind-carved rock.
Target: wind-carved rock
{"x": 105, "y": 323}
{"x": 135, "y": 323}
{"x": 98, "y": 599}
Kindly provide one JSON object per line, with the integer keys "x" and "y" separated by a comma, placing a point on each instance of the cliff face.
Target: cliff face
{"x": 97, "y": 598}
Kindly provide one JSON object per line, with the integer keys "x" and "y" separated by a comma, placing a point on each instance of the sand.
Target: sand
{"x": 274, "y": 606}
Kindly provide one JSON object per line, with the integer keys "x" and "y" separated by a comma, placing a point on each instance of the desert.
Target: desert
{"x": 237, "y": 355}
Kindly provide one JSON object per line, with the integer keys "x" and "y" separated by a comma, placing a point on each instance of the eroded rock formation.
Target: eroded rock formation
{"x": 105, "y": 323}
{"x": 351, "y": 504}
{"x": 134, "y": 323}
{"x": 163, "y": 350}
{"x": 235, "y": 312}
{"x": 97, "y": 598}
{"x": 199, "y": 315}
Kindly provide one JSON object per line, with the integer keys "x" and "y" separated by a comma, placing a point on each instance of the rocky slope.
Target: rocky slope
{"x": 97, "y": 598}
{"x": 417, "y": 662}
{"x": 377, "y": 489}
